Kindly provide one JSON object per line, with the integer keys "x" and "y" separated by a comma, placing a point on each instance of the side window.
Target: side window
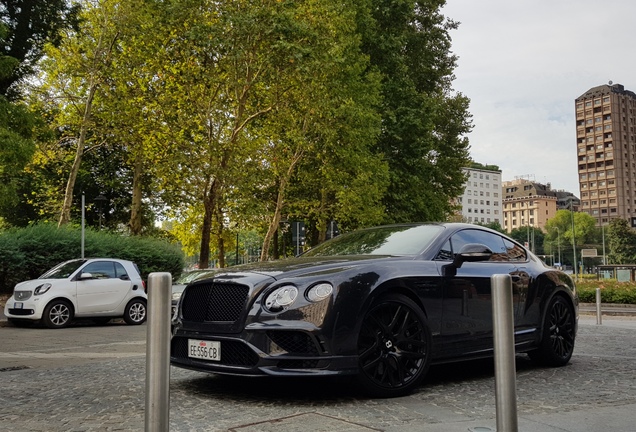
{"x": 493, "y": 241}
{"x": 515, "y": 252}
{"x": 445, "y": 253}
{"x": 100, "y": 269}
{"x": 120, "y": 270}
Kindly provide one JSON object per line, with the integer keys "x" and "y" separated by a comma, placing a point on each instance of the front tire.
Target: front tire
{"x": 393, "y": 347}
{"x": 135, "y": 312}
{"x": 57, "y": 314}
{"x": 557, "y": 342}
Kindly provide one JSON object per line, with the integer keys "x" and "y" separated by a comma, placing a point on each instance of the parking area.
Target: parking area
{"x": 92, "y": 378}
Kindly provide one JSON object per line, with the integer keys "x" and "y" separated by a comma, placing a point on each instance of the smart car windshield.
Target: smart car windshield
{"x": 389, "y": 240}
{"x": 63, "y": 270}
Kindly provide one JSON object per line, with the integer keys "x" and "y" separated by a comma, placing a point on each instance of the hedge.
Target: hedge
{"x": 612, "y": 291}
{"x": 26, "y": 253}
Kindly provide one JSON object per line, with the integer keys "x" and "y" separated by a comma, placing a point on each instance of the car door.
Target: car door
{"x": 467, "y": 322}
{"x": 105, "y": 290}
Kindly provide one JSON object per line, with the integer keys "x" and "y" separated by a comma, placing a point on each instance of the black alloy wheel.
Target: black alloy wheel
{"x": 393, "y": 347}
{"x": 557, "y": 344}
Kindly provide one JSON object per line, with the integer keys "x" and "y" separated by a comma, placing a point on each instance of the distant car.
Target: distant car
{"x": 382, "y": 304}
{"x": 96, "y": 288}
{"x": 186, "y": 277}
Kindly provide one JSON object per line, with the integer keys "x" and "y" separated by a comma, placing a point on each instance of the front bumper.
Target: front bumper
{"x": 262, "y": 353}
{"x": 30, "y": 309}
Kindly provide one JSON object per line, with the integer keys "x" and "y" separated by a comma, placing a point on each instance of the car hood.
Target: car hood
{"x": 299, "y": 267}
{"x": 34, "y": 283}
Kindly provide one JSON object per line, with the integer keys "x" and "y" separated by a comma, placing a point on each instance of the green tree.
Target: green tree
{"x": 423, "y": 122}
{"x": 29, "y": 25}
{"x": 559, "y": 232}
{"x": 621, "y": 242}
{"x": 73, "y": 75}
{"x": 252, "y": 88}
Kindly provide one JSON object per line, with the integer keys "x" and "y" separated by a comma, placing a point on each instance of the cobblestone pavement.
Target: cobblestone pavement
{"x": 106, "y": 392}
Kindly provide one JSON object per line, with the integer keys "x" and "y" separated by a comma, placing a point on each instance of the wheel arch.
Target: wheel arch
{"x": 71, "y": 303}
{"x": 565, "y": 293}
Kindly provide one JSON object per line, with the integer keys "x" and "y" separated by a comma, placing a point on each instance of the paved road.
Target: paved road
{"x": 92, "y": 378}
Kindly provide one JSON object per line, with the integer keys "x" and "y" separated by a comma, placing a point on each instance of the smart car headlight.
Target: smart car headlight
{"x": 42, "y": 289}
{"x": 319, "y": 292}
{"x": 281, "y": 298}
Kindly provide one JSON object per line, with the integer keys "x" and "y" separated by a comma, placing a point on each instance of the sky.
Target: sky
{"x": 523, "y": 63}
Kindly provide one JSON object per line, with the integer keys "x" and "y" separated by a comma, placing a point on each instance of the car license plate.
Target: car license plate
{"x": 206, "y": 350}
{"x": 18, "y": 305}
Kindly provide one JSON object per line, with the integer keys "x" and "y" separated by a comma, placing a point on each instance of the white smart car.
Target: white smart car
{"x": 96, "y": 288}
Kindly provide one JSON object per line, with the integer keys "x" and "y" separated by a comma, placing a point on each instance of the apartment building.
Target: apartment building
{"x": 481, "y": 200}
{"x": 605, "y": 139}
{"x": 527, "y": 203}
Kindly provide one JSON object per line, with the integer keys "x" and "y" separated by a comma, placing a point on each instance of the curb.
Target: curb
{"x": 610, "y": 309}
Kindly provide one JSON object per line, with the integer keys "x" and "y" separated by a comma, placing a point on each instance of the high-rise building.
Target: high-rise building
{"x": 605, "y": 138}
{"x": 527, "y": 203}
{"x": 481, "y": 200}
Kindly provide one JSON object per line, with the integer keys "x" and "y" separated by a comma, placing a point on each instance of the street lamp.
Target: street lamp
{"x": 559, "y": 244}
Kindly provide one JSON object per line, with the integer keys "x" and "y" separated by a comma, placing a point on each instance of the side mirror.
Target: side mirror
{"x": 84, "y": 276}
{"x": 471, "y": 252}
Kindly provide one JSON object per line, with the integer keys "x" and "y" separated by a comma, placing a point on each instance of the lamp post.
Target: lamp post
{"x": 603, "y": 236}
{"x": 559, "y": 244}
{"x": 573, "y": 244}
{"x": 83, "y": 206}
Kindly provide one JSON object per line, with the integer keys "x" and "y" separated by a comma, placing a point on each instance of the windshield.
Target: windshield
{"x": 63, "y": 270}
{"x": 188, "y": 277}
{"x": 387, "y": 240}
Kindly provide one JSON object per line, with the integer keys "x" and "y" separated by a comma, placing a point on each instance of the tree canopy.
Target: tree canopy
{"x": 237, "y": 117}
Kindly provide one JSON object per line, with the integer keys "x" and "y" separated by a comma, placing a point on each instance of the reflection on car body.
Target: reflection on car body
{"x": 381, "y": 304}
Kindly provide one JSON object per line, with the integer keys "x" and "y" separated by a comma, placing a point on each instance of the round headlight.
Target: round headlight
{"x": 319, "y": 292}
{"x": 281, "y": 298}
{"x": 42, "y": 289}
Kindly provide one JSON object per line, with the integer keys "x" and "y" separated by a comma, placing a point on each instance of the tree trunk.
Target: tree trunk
{"x": 204, "y": 252}
{"x": 65, "y": 216}
{"x": 135, "y": 223}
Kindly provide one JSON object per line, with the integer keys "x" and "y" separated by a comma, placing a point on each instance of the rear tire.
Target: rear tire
{"x": 135, "y": 312}
{"x": 557, "y": 341}
{"x": 57, "y": 314}
{"x": 393, "y": 347}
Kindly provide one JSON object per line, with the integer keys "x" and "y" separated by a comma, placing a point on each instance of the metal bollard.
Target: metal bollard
{"x": 505, "y": 370}
{"x": 599, "y": 319}
{"x": 157, "y": 415}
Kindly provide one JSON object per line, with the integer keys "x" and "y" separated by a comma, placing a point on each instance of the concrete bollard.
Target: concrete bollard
{"x": 504, "y": 343}
{"x": 157, "y": 415}
{"x": 599, "y": 319}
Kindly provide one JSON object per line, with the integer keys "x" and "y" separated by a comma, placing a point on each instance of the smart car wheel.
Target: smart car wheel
{"x": 393, "y": 347}
{"x": 557, "y": 343}
{"x": 135, "y": 312}
{"x": 57, "y": 314}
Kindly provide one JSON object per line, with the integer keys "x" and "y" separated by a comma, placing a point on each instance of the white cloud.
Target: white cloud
{"x": 523, "y": 63}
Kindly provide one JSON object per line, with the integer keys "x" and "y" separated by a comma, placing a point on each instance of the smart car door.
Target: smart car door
{"x": 104, "y": 290}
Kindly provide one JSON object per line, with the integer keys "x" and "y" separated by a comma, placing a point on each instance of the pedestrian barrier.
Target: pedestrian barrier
{"x": 504, "y": 343}
{"x": 157, "y": 414}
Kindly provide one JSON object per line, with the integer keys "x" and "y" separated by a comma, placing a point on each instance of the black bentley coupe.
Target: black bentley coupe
{"x": 382, "y": 304}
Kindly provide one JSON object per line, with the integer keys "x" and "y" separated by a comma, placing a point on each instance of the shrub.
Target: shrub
{"x": 612, "y": 291}
{"x": 26, "y": 253}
